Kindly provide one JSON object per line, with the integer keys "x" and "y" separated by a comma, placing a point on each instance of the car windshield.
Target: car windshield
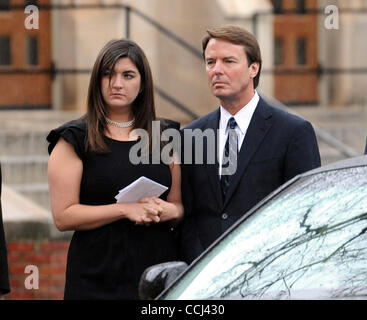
{"x": 307, "y": 242}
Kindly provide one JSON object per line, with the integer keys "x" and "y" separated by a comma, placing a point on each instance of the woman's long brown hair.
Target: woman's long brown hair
{"x": 143, "y": 107}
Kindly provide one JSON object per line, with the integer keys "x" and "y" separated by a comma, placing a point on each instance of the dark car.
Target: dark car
{"x": 307, "y": 240}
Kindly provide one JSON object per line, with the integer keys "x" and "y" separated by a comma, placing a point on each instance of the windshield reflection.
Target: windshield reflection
{"x": 308, "y": 242}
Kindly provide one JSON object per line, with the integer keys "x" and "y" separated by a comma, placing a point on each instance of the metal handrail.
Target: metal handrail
{"x": 128, "y": 10}
{"x": 183, "y": 43}
{"x": 180, "y": 41}
{"x": 176, "y": 103}
{"x": 54, "y": 71}
{"x": 321, "y": 134}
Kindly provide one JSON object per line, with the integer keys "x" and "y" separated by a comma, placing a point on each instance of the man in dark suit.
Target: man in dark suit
{"x": 4, "y": 276}
{"x": 365, "y": 148}
{"x": 272, "y": 147}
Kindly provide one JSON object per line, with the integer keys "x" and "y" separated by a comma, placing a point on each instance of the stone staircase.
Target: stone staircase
{"x": 23, "y": 150}
{"x": 23, "y": 146}
{"x": 348, "y": 125}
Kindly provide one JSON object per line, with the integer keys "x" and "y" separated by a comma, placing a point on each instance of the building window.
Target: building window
{"x": 278, "y": 6}
{"x": 4, "y": 5}
{"x": 31, "y": 48}
{"x": 278, "y": 51}
{"x": 5, "y": 54}
{"x": 301, "y": 51}
{"x": 301, "y": 6}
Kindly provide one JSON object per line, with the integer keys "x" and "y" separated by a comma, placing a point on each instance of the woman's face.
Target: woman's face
{"x": 121, "y": 89}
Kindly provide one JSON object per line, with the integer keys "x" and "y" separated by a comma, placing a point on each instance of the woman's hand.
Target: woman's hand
{"x": 143, "y": 213}
{"x": 169, "y": 210}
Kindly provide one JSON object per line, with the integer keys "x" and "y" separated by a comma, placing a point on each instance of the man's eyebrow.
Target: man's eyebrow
{"x": 226, "y": 57}
{"x": 230, "y": 57}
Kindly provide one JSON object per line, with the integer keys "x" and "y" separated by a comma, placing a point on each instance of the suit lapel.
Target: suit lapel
{"x": 259, "y": 126}
{"x": 212, "y": 169}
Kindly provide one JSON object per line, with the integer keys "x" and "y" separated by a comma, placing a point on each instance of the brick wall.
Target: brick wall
{"x": 50, "y": 259}
{"x": 22, "y": 89}
{"x": 297, "y": 88}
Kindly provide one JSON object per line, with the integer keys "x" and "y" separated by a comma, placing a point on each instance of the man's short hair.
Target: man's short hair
{"x": 240, "y": 36}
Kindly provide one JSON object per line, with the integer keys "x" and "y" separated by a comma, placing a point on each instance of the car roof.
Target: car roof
{"x": 342, "y": 164}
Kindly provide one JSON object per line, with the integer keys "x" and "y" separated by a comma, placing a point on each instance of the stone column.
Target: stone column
{"x": 343, "y": 48}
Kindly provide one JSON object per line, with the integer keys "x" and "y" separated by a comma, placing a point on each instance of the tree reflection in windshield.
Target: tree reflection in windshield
{"x": 308, "y": 242}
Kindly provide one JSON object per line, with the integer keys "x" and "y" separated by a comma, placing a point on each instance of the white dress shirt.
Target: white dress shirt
{"x": 243, "y": 118}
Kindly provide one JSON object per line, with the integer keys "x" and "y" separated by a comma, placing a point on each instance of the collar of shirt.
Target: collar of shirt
{"x": 242, "y": 117}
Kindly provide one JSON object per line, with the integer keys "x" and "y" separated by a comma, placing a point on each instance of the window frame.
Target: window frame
{"x": 28, "y": 54}
{"x": 8, "y": 53}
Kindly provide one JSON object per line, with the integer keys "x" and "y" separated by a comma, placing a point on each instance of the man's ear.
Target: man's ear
{"x": 254, "y": 69}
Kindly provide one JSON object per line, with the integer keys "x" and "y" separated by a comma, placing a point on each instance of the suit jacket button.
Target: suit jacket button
{"x": 224, "y": 216}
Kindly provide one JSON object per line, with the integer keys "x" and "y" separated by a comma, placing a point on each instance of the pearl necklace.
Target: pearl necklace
{"x": 120, "y": 124}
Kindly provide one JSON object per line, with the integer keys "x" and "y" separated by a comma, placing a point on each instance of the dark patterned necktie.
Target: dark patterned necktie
{"x": 229, "y": 161}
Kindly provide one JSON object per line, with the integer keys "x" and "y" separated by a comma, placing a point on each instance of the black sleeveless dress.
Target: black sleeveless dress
{"x": 107, "y": 262}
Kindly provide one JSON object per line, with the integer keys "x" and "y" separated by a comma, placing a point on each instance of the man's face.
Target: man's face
{"x": 230, "y": 77}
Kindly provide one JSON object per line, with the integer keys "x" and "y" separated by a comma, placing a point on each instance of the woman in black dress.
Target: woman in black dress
{"x": 89, "y": 163}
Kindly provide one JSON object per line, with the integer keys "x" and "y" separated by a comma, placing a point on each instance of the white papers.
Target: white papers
{"x": 140, "y": 188}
